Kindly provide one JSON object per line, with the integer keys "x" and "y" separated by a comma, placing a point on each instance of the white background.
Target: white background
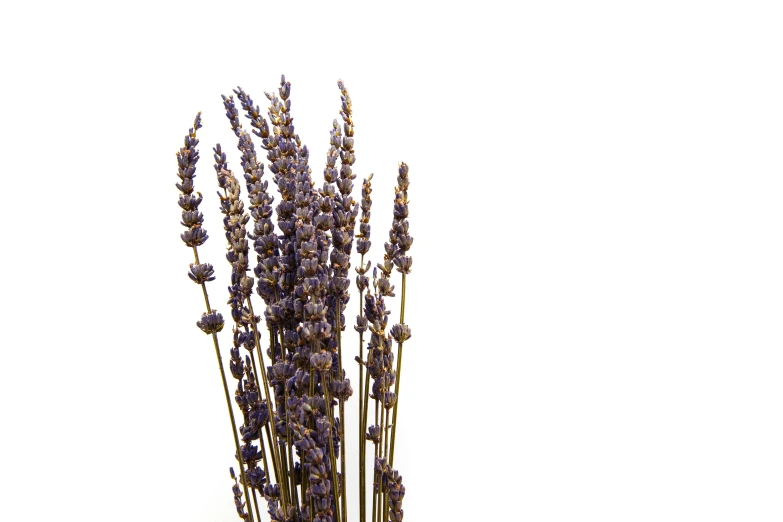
{"x": 596, "y": 299}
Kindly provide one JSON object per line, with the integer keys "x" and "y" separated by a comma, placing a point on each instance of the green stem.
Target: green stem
{"x": 386, "y": 437}
{"x": 397, "y": 395}
{"x": 386, "y": 454}
{"x": 233, "y": 423}
{"x": 275, "y": 454}
{"x": 343, "y": 485}
{"x": 277, "y": 471}
{"x": 255, "y": 502}
{"x": 284, "y": 483}
{"x": 335, "y": 485}
{"x": 281, "y": 449}
{"x": 364, "y": 419}
{"x": 304, "y": 480}
{"x": 397, "y": 376}
{"x": 280, "y": 328}
{"x": 362, "y": 445}
{"x": 311, "y": 422}
{"x": 260, "y": 435}
{"x": 290, "y": 454}
{"x": 228, "y": 400}
{"x": 374, "y": 475}
{"x": 376, "y": 483}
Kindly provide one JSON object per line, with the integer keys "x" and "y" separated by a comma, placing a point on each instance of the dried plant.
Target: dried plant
{"x": 289, "y": 447}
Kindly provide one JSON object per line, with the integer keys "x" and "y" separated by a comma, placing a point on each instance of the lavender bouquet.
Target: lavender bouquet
{"x": 289, "y": 436}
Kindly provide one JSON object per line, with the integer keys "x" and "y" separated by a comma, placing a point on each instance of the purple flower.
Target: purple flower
{"x": 211, "y": 323}
{"x": 238, "y": 497}
{"x": 400, "y": 333}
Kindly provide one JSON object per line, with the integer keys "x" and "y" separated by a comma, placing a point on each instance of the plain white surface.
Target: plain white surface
{"x": 596, "y": 295}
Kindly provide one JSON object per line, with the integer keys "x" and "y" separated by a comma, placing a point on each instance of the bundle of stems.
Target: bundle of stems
{"x": 289, "y": 438}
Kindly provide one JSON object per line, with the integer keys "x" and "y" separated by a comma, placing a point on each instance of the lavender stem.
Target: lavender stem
{"x": 397, "y": 380}
{"x": 260, "y": 436}
{"x": 330, "y": 416}
{"x": 343, "y": 485}
{"x": 228, "y": 397}
{"x": 275, "y": 455}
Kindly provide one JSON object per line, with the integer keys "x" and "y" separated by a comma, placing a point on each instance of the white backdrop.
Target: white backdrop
{"x": 596, "y": 298}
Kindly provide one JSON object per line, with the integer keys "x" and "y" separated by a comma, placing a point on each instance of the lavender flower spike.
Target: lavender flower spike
{"x": 211, "y": 322}
{"x": 238, "y": 497}
{"x": 401, "y": 242}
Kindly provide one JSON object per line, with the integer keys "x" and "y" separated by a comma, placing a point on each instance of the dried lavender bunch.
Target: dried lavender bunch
{"x": 301, "y": 274}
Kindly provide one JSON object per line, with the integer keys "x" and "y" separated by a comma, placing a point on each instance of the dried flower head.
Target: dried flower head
{"x": 211, "y": 323}
{"x": 201, "y": 273}
{"x": 400, "y": 332}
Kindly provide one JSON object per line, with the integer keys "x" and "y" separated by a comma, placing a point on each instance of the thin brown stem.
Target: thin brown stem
{"x": 343, "y": 485}
{"x": 228, "y": 399}
{"x": 275, "y": 453}
{"x": 397, "y": 376}
{"x": 385, "y": 454}
{"x": 285, "y": 483}
{"x": 362, "y": 440}
{"x": 260, "y": 435}
{"x": 255, "y": 503}
{"x": 376, "y": 483}
{"x": 364, "y": 419}
{"x": 277, "y": 471}
{"x": 290, "y": 454}
{"x": 330, "y": 416}
{"x": 312, "y": 392}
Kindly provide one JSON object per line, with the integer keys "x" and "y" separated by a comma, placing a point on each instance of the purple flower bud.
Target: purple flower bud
{"x": 194, "y": 237}
{"x": 256, "y": 477}
{"x": 374, "y": 433}
{"x": 272, "y": 491}
{"x": 192, "y": 219}
{"x": 189, "y": 202}
{"x": 400, "y": 332}
{"x": 389, "y": 399}
{"x": 321, "y": 361}
{"x": 385, "y": 288}
{"x": 361, "y": 324}
{"x": 201, "y": 273}
{"x": 385, "y": 267}
{"x": 211, "y": 323}
{"x": 404, "y": 242}
{"x": 236, "y": 364}
{"x": 341, "y": 389}
{"x": 237, "y": 491}
{"x": 404, "y": 264}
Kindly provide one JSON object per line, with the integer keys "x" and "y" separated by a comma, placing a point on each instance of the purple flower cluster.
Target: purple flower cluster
{"x": 399, "y": 239}
{"x": 192, "y": 219}
{"x": 238, "y": 496}
{"x": 302, "y": 274}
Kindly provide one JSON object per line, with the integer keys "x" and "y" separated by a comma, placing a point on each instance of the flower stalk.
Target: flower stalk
{"x": 211, "y": 322}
